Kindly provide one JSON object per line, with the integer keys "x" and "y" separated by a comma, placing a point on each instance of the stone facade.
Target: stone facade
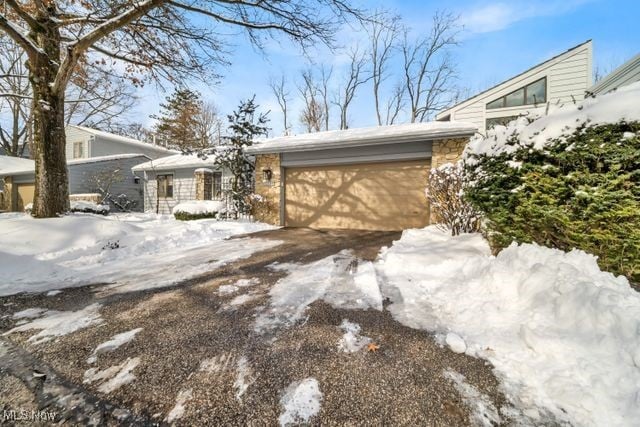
{"x": 9, "y": 200}
{"x": 268, "y": 208}
{"x": 204, "y": 184}
{"x": 447, "y": 151}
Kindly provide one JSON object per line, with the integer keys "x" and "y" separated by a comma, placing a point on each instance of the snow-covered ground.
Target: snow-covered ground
{"x": 128, "y": 251}
{"x": 564, "y": 337}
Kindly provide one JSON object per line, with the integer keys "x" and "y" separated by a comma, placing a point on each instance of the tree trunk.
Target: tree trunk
{"x": 52, "y": 184}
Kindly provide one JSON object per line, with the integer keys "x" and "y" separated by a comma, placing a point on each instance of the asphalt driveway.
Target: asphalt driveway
{"x": 197, "y": 359}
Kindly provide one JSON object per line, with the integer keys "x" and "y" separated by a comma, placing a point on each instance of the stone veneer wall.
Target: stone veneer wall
{"x": 447, "y": 151}
{"x": 268, "y": 209}
{"x": 204, "y": 184}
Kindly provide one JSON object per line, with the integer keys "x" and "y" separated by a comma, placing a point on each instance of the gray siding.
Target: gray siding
{"x": 184, "y": 189}
{"x": 88, "y": 177}
{"x": 365, "y": 154}
{"x": 627, "y": 73}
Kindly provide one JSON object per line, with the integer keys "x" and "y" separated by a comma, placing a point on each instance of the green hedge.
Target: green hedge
{"x": 582, "y": 192}
{"x": 184, "y": 216}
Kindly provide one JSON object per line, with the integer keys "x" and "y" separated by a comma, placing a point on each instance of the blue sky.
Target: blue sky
{"x": 499, "y": 40}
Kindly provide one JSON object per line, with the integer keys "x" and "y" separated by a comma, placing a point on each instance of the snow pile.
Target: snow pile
{"x": 88, "y": 207}
{"x": 623, "y": 104}
{"x": 563, "y": 335}
{"x": 115, "y": 342}
{"x": 338, "y": 279}
{"x": 53, "y": 323}
{"x": 113, "y": 377}
{"x": 130, "y": 251}
{"x": 300, "y": 402}
{"x": 200, "y": 207}
{"x": 352, "y": 341}
{"x": 483, "y": 413}
{"x": 178, "y": 410}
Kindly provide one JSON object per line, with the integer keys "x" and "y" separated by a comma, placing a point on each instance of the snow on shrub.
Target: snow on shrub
{"x": 445, "y": 195}
{"x": 80, "y": 206}
{"x": 567, "y": 180}
{"x": 198, "y": 209}
{"x": 563, "y": 336}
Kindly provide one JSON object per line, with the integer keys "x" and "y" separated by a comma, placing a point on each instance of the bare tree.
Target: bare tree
{"x": 383, "y": 32}
{"x": 154, "y": 38}
{"x": 323, "y": 89}
{"x": 358, "y": 74}
{"x": 208, "y": 125}
{"x": 428, "y": 68}
{"x": 395, "y": 104}
{"x": 280, "y": 91}
{"x": 15, "y": 99}
{"x": 313, "y": 113}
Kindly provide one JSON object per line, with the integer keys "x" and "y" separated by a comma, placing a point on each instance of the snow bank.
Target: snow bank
{"x": 300, "y": 402}
{"x": 84, "y": 206}
{"x": 623, "y": 104}
{"x": 338, "y": 279}
{"x": 128, "y": 251}
{"x": 200, "y": 207}
{"x": 563, "y": 335}
{"x": 53, "y": 323}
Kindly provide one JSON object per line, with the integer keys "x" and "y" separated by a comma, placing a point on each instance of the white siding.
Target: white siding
{"x": 568, "y": 77}
{"x": 184, "y": 189}
{"x": 76, "y": 135}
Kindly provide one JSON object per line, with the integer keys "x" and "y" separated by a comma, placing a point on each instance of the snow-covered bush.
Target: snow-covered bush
{"x": 449, "y": 209}
{"x": 199, "y": 209}
{"x": 567, "y": 180}
{"x": 89, "y": 207}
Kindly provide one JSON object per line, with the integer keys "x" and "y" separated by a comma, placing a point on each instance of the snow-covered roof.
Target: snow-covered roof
{"x": 394, "y": 134}
{"x": 16, "y": 166}
{"x": 106, "y": 158}
{"x": 122, "y": 139}
{"x": 177, "y": 161}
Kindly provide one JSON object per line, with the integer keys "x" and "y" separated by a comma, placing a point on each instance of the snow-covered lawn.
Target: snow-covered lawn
{"x": 129, "y": 251}
{"x": 564, "y": 337}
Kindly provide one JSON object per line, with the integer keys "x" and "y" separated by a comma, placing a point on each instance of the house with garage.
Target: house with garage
{"x": 180, "y": 178}
{"x": 369, "y": 178}
{"x": 565, "y": 78}
{"x": 98, "y": 163}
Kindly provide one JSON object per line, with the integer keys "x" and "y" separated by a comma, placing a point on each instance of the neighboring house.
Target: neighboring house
{"x": 562, "y": 79}
{"x": 627, "y": 73}
{"x": 109, "y": 173}
{"x": 95, "y": 160}
{"x": 179, "y": 178}
{"x": 83, "y": 142}
{"x": 371, "y": 178}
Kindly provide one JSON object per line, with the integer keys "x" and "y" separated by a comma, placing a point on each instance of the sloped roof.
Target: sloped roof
{"x": 393, "y": 134}
{"x": 121, "y": 139}
{"x": 16, "y": 166}
{"x": 507, "y": 81}
{"x": 177, "y": 161}
{"x": 625, "y": 74}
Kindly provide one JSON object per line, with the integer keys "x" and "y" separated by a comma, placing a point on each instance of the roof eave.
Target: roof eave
{"x": 323, "y": 145}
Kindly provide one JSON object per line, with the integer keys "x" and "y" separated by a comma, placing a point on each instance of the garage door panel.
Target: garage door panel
{"x": 25, "y": 195}
{"x": 380, "y": 196}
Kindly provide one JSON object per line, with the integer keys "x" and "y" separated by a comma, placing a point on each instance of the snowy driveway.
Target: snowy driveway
{"x": 278, "y": 336}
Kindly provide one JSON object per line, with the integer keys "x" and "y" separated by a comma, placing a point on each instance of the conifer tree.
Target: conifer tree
{"x": 177, "y": 125}
{"x": 244, "y": 125}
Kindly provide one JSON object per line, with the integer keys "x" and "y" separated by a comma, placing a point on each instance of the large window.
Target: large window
{"x": 216, "y": 182}
{"x": 165, "y": 186}
{"x": 78, "y": 150}
{"x": 503, "y": 121}
{"x": 531, "y": 94}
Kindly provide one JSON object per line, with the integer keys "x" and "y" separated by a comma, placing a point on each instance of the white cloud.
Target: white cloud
{"x": 500, "y": 15}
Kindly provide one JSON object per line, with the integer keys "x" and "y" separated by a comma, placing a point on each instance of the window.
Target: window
{"x": 533, "y": 93}
{"x": 165, "y": 186}
{"x": 78, "y": 150}
{"x": 216, "y": 182}
{"x": 502, "y": 121}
